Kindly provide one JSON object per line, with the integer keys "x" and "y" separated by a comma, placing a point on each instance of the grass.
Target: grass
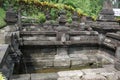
{"x": 2, "y": 18}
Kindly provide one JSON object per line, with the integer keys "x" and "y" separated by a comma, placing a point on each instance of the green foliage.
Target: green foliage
{"x": 89, "y": 8}
{"x": 53, "y": 21}
{"x": 41, "y": 17}
{"x": 96, "y": 6}
{"x": 7, "y": 3}
{"x": 69, "y": 17}
{"x": 69, "y": 14}
{"x": 69, "y": 20}
{"x": 71, "y": 4}
{"x": 86, "y": 7}
{"x": 2, "y": 18}
{"x": 83, "y": 7}
{"x": 36, "y": 18}
{"x": 53, "y": 14}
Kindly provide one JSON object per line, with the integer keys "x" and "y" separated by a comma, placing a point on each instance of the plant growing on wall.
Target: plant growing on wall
{"x": 2, "y": 18}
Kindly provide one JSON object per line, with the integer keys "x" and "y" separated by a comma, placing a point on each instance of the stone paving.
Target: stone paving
{"x": 106, "y": 73}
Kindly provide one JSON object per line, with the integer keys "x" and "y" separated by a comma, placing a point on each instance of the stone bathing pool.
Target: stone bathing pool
{"x": 39, "y": 59}
{"x": 57, "y": 51}
{"x": 50, "y": 55}
{"x": 73, "y": 59}
{"x": 79, "y": 55}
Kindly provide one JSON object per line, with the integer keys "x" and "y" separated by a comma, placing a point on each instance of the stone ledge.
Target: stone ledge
{"x": 21, "y": 77}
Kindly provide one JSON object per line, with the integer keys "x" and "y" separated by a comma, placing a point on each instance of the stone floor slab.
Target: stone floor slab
{"x": 93, "y": 77}
{"x": 44, "y": 76}
{"x": 70, "y": 73}
{"x": 21, "y": 77}
{"x": 69, "y": 78}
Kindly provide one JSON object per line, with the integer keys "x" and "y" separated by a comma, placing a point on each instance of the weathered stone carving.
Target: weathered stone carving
{"x": 47, "y": 25}
{"x": 106, "y": 21}
{"x": 62, "y": 22}
{"x": 75, "y": 25}
{"x": 107, "y": 4}
{"x": 11, "y": 16}
{"x": 107, "y": 11}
